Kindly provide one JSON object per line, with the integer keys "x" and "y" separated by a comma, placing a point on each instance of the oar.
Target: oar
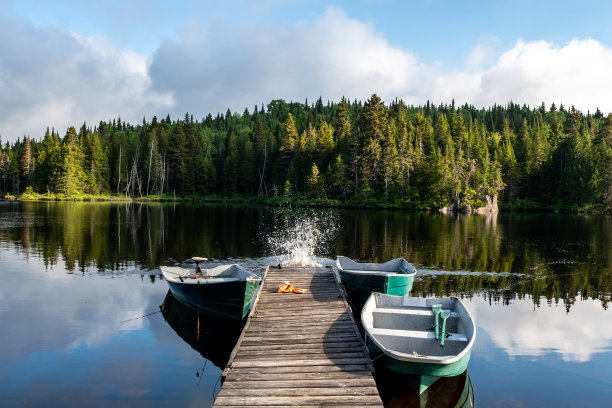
{"x": 436, "y": 310}
{"x": 445, "y": 315}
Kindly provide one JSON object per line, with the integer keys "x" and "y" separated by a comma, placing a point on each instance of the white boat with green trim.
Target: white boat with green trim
{"x": 360, "y": 279}
{"x": 426, "y": 337}
{"x": 225, "y": 291}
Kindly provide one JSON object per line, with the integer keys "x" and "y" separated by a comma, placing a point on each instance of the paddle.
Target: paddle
{"x": 445, "y": 315}
{"x": 436, "y": 309}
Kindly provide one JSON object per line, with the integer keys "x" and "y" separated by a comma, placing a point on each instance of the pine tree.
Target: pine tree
{"x": 247, "y": 168}
{"x": 315, "y": 182}
{"x": 231, "y": 166}
{"x": 373, "y": 126}
{"x": 336, "y": 178}
{"x": 68, "y": 178}
{"x": 177, "y": 160}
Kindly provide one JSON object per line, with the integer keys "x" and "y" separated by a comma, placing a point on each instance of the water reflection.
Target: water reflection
{"x": 558, "y": 258}
{"x": 79, "y": 284}
{"x": 213, "y": 338}
{"x": 398, "y": 390}
{"x": 522, "y": 331}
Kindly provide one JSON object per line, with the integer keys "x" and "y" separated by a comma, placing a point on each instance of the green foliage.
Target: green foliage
{"x": 522, "y": 205}
{"x": 365, "y": 154}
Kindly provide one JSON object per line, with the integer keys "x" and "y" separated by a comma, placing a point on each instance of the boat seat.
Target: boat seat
{"x": 214, "y": 279}
{"x": 415, "y": 312}
{"x": 418, "y": 334}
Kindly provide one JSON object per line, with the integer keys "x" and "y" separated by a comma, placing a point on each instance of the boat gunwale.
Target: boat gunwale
{"x": 209, "y": 280}
{"x": 376, "y": 272}
{"x": 411, "y": 358}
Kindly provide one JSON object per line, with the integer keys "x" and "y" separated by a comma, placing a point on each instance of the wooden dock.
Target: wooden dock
{"x": 300, "y": 349}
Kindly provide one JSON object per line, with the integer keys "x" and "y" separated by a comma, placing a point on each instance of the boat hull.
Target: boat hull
{"x": 227, "y": 300}
{"x": 394, "y": 277}
{"x": 359, "y": 286}
{"x": 416, "y": 368}
{"x": 427, "y": 338}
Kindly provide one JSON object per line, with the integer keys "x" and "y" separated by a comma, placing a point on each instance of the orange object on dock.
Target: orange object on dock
{"x": 289, "y": 288}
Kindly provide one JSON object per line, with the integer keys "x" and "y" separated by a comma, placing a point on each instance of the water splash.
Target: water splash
{"x": 301, "y": 236}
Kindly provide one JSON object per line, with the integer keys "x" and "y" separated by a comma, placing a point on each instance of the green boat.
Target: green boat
{"x": 424, "y": 337}
{"x": 394, "y": 277}
{"x": 225, "y": 291}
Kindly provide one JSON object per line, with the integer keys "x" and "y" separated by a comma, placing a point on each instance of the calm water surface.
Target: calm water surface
{"x": 81, "y": 294}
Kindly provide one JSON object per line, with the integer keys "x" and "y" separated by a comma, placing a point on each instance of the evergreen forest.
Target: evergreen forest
{"x": 347, "y": 153}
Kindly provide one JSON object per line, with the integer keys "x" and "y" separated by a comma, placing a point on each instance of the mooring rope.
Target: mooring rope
{"x": 141, "y": 317}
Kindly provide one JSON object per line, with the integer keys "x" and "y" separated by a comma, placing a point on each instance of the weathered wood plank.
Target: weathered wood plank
{"x": 303, "y": 313}
{"x": 303, "y": 369}
{"x": 299, "y": 332}
{"x": 301, "y": 382}
{"x": 286, "y": 360}
{"x": 288, "y": 353}
{"x": 284, "y": 306}
{"x": 301, "y": 391}
{"x": 302, "y": 340}
{"x": 261, "y": 324}
{"x": 296, "y": 362}
{"x": 290, "y": 401}
{"x": 315, "y": 316}
{"x": 310, "y": 346}
{"x": 352, "y": 405}
{"x": 300, "y": 349}
{"x": 328, "y": 376}
{"x": 348, "y": 404}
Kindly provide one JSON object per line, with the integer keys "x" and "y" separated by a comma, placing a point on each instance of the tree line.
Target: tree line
{"x": 354, "y": 152}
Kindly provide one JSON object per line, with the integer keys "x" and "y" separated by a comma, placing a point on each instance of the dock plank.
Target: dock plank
{"x": 299, "y": 349}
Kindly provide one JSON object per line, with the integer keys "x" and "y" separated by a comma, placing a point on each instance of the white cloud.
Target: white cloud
{"x": 574, "y": 74}
{"x": 209, "y": 69}
{"x": 520, "y": 330}
{"x": 55, "y": 78}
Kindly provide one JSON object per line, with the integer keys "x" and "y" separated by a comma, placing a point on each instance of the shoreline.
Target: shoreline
{"x": 519, "y": 206}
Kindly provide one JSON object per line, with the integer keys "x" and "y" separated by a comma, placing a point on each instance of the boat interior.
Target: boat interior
{"x": 395, "y": 319}
{"x": 221, "y": 273}
{"x": 398, "y": 265}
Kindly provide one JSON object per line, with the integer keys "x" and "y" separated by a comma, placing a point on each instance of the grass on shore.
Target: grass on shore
{"x": 301, "y": 200}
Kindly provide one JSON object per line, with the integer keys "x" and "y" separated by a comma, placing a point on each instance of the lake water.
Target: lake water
{"x": 81, "y": 294}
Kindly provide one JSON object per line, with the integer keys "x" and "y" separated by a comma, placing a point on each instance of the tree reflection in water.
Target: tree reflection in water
{"x": 556, "y": 257}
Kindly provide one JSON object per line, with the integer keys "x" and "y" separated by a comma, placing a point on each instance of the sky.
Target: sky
{"x": 68, "y": 62}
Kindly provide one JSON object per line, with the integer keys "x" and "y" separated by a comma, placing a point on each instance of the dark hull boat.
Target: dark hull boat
{"x": 394, "y": 277}
{"x": 225, "y": 291}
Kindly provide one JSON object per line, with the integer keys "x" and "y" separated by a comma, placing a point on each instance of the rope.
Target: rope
{"x": 178, "y": 274}
{"x": 377, "y": 357}
{"x": 215, "y": 387}
{"x": 141, "y": 317}
{"x": 201, "y": 375}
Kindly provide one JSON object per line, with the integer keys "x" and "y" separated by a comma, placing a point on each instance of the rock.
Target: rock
{"x": 449, "y": 209}
{"x": 489, "y": 208}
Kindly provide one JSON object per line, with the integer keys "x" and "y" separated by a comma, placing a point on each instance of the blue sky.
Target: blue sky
{"x": 66, "y": 62}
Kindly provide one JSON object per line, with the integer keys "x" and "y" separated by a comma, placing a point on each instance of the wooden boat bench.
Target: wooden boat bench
{"x": 417, "y": 334}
